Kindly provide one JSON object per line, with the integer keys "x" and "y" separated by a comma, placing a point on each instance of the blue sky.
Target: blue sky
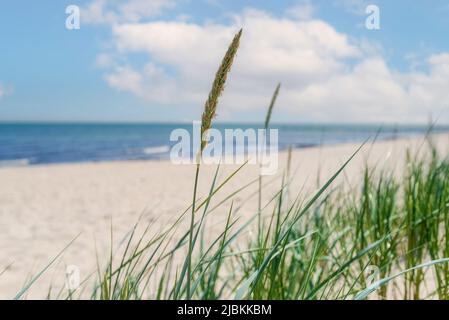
{"x": 153, "y": 60}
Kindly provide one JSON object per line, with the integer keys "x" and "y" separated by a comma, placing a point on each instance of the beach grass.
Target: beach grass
{"x": 386, "y": 237}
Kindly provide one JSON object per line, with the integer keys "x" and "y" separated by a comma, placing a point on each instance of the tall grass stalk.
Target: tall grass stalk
{"x": 209, "y": 114}
{"x": 266, "y": 125}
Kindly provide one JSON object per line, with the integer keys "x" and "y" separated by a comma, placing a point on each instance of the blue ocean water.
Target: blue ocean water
{"x": 31, "y": 144}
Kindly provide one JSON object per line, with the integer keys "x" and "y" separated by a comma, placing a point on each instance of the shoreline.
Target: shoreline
{"x": 167, "y": 160}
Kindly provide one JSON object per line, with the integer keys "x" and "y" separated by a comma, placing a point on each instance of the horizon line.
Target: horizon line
{"x": 168, "y": 122}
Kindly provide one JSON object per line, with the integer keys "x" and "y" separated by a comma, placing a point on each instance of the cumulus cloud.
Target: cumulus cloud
{"x": 126, "y": 79}
{"x": 326, "y": 75}
{"x": 303, "y": 10}
{"x": 112, "y": 12}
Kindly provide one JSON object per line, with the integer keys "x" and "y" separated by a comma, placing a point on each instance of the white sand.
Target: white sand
{"x": 42, "y": 208}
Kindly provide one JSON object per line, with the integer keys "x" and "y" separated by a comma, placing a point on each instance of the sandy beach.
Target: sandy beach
{"x": 42, "y": 208}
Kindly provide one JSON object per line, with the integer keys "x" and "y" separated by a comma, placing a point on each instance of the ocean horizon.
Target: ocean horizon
{"x": 23, "y": 144}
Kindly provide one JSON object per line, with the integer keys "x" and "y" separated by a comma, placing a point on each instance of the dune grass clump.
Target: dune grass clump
{"x": 385, "y": 238}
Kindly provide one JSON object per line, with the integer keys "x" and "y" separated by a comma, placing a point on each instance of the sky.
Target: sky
{"x": 154, "y": 60}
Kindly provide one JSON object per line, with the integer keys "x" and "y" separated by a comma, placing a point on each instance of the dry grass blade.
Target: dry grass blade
{"x": 210, "y": 107}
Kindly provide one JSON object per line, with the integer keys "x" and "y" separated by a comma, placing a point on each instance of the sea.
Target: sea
{"x": 25, "y": 144}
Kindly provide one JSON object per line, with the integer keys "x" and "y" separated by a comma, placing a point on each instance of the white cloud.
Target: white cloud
{"x": 111, "y": 12}
{"x": 104, "y": 60}
{"x": 326, "y": 76}
{"x": 357, "y": 7}
{"x": 125, "y": 79}
{"x": 5, "y": 90}
{"x": 303, "y": 10}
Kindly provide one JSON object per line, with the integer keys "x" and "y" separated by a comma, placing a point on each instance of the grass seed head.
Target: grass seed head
{"x": 210, "y": 107}
{"x": 270, "y": 108}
